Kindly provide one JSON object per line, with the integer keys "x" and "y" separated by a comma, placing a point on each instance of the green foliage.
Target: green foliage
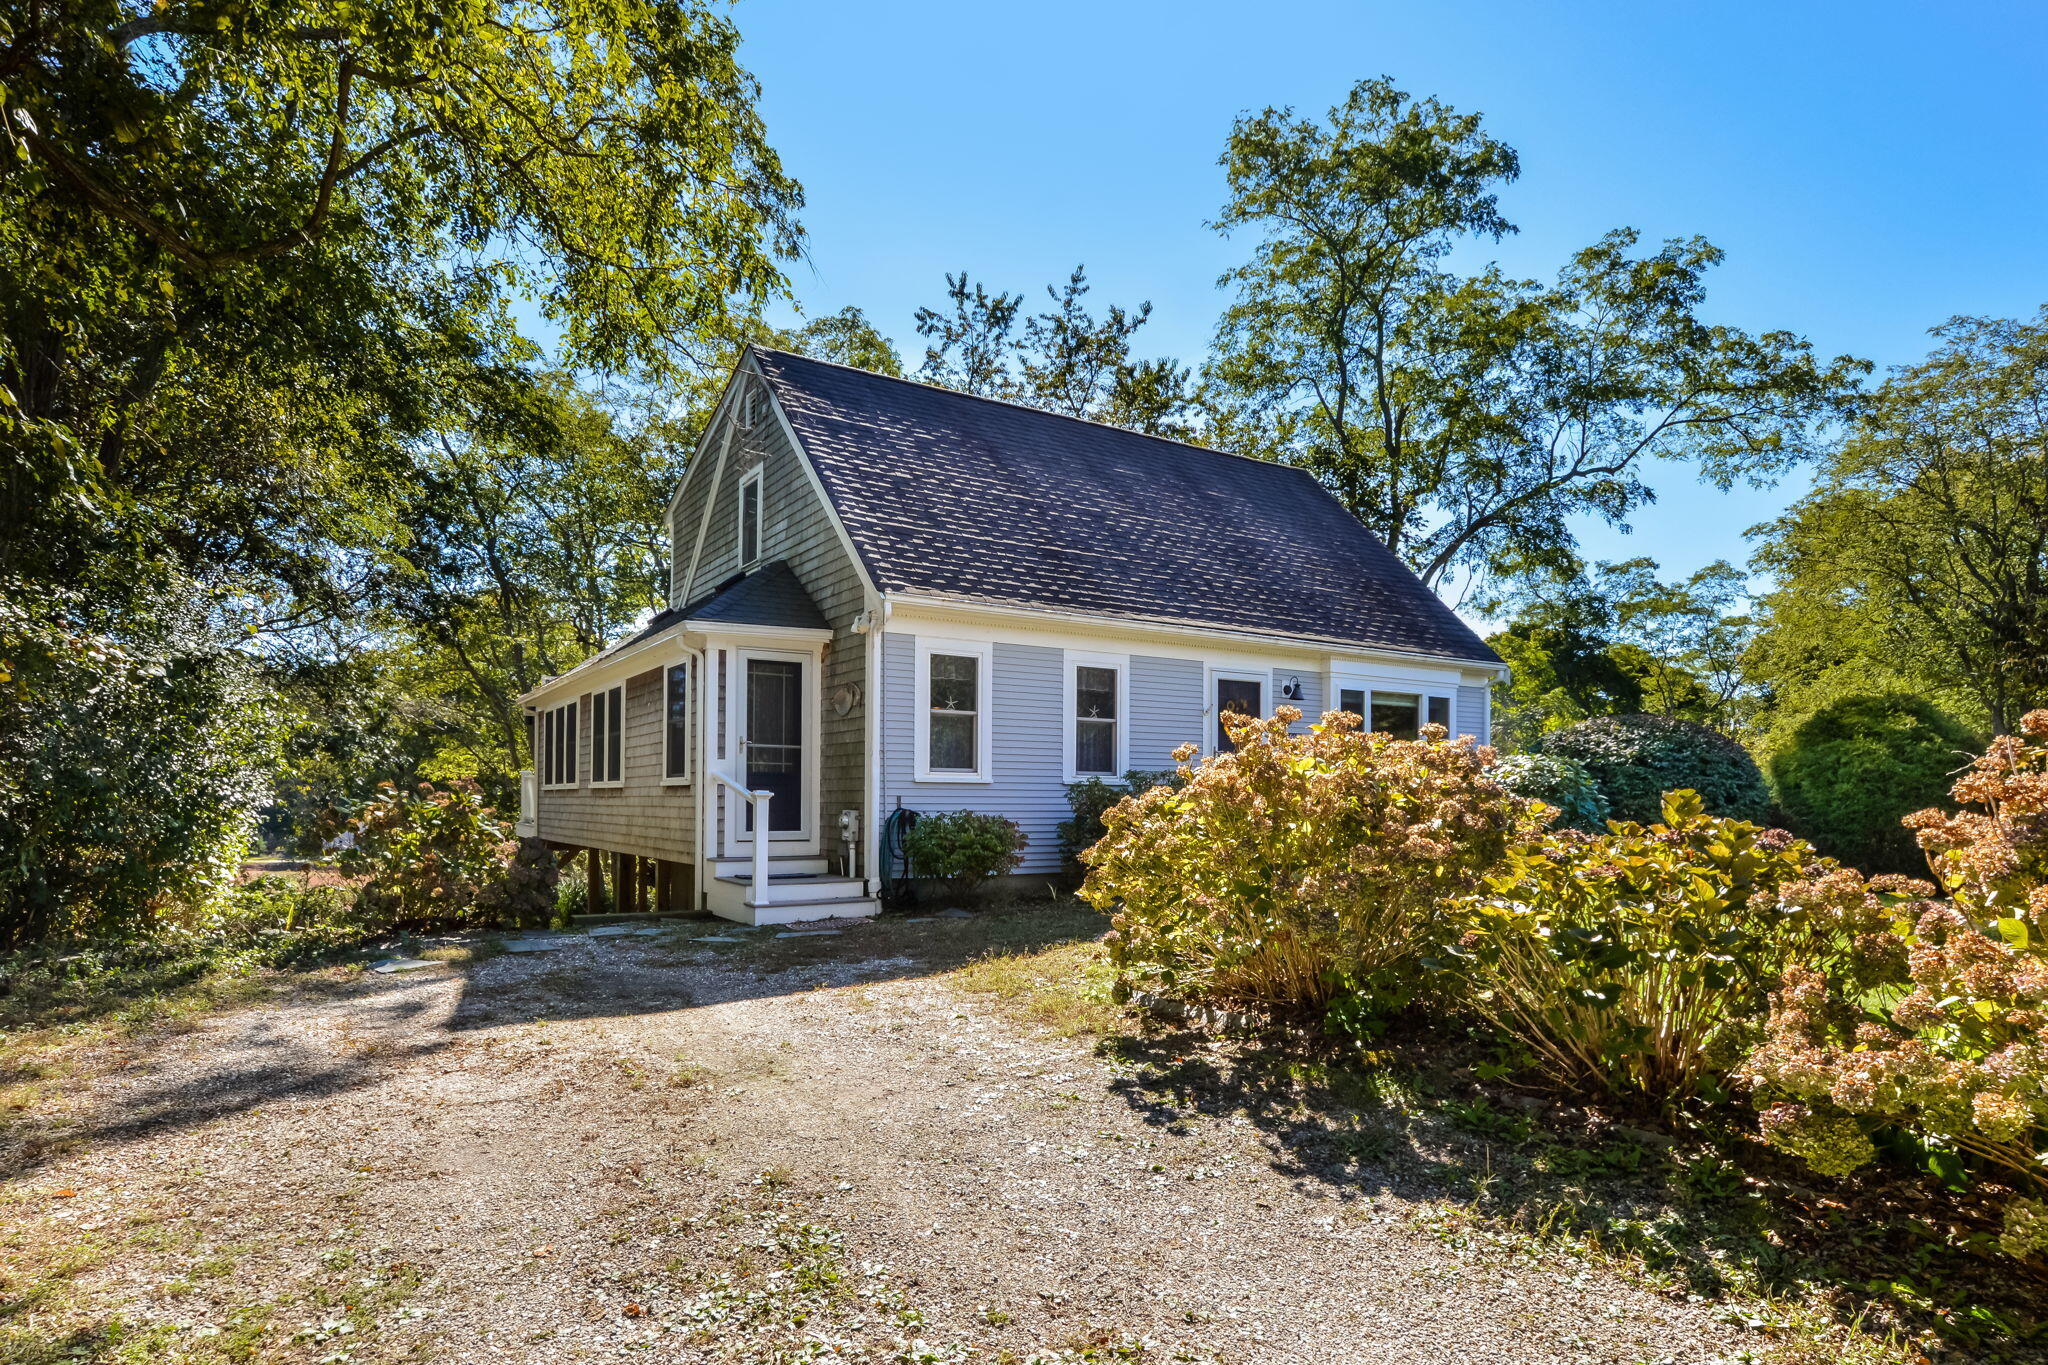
{"x": 1634, "y": 760}
{"x": 1949, "y": 1043}
{"x": 1064, "y": 360}
{"x": 1918, "y": 560}
{"x": 1092, "y": 798}
{"x": 1848, "y": 773}
{"x": 1562, "y": 783}
{"x": 438, "y": 857}
{"x": 129, "y": 767}
{"x": 1468, "y": 419}
{"x": 963, "y": 848}
{"x": 1302, "y": 873}
{"x": 1629, "y": 963}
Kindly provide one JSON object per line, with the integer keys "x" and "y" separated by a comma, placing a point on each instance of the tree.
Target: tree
{"x": 1065, "y": 359}
{"x": 1466, "y": 420}
{"x": 1615, "y": 639}
{"x": 1921, "y": 556}
{"x": 245, "y": 246}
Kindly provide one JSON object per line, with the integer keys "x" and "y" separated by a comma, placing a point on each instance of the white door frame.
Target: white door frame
{"x": 803, "y": 840}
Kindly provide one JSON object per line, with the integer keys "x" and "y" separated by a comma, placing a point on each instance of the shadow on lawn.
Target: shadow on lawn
{"x": 1710, "y": 1218}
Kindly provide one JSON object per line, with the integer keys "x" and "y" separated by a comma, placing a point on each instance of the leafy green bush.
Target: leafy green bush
{"x": 1848, "y": 774}
{"x": 963, "y": 848}
{"x": 434, "y": 856}
{"x": 1560, "y": 782}
{"x": 130, "y": 767}
{"x": 1634, "y": 760}
{"x": 1950, "y": 1044}
{"x": 1303, "y": 873}
{"x": 1636, "y": 963}
{"x": 1090, "y": 799}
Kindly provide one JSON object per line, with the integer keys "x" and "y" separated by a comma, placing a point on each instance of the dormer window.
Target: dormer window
{"x": 750, "y": 519}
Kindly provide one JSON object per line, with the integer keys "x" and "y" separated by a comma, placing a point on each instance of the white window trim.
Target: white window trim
{"x": 688, "y": 776}
{"x": 739, "y": 512}
{"x": 984, "y": 770}
{"x": 559, "y": 711}
{"x": 616, "y": 695}
{"x": 1426, "y": 691}
{"x": 1216, "y": 674}
{"x": 1070, "y": 723}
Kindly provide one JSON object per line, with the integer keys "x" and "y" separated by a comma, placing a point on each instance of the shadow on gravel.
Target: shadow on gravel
{"x": 255, "y": 1058}
{"x": 1717, "y": 1218}
{"x": 621, "y": 976}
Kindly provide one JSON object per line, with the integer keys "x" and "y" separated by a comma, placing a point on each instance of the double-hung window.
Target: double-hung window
{"x": 675, "y": 727}
{"x": 1095, "y": 715}
{"x": 607, "y": 737}
{"x": 952, "y": 711}
{"x": 750, "y": 519}
{"x": 1398, "y": 714}
{"x": 557, "y": 755}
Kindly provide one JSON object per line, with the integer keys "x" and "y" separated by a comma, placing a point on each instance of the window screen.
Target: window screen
{"x": 955, "y": 712}
{"x": 1095, "y": 720}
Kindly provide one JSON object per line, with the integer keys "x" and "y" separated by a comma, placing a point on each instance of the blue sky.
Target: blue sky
{"x": 1870, "y": 169}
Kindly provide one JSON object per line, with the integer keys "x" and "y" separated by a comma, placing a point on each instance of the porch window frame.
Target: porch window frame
{"x": 983, "y": 652}
{"x": 688, "y": 776}
{"x": 607, "y": 710}
{"x": 1425, "y": 694}
{"x": 1070, "y": 719}
{"x": 558, "y": 756}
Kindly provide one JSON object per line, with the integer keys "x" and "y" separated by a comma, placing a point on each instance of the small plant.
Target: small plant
{"x": 1090, "y": 800}
{"x": 1628, "y": 963}
{"x": 1302, "y": 873}
{"x": 1634, "y": 760}
{"x": 1950, "y": 1043}
{"x": 1558, "y": 782}
{"x": 964, "y": 848}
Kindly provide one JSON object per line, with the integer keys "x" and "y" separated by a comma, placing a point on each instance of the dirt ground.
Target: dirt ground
{"x": 832, "y": 1148}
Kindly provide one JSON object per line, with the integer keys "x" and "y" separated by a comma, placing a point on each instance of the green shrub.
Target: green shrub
{"x": 1637, "y": 963}
{"x": 433, "y": 857}
{"x": 963, "y": 848}
{"x": 1850, "y": 772}
{"x": 1942, "y": 1031}
{"x": 1090, "y": 799}
{"x": 1634, "y": 760}
{"x": 1303, "y": 873}
{"x": 1560, "y": 782}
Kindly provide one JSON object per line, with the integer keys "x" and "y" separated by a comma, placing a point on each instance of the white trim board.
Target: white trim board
{"x": 921, "y": 705}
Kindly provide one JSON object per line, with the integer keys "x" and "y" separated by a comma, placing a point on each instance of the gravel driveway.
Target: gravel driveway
{"x": 649, "y": 1148}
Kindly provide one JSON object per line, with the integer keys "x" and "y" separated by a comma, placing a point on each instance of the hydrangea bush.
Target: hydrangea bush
{"x": 1629, "y": 963}
{"x": 433, "y": 856}
{"x": 1950, "y": 1045}
{"x": 1298, "y": 872}
{"x": 1634, "y": 760}
{"x": 964, "y": 848}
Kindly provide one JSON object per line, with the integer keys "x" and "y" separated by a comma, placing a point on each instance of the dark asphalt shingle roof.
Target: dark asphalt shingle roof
{"x": 771, "y": 595}
{"x": 955, "y": 496}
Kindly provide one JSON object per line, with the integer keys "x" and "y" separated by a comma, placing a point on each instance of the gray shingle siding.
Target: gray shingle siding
{"x": 643, "y": 817}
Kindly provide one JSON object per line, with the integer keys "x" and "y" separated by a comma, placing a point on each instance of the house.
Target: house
{"x": 887, "y": 596}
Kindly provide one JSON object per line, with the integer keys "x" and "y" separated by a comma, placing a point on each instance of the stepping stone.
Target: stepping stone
{"x": 402, "y": 964}
{"x": 718, "y": 938}
{"x": 954, "y": 914}
{"x": 612, "y": 930}
{"x": 918, "y": 919}
{"x": 809, "y": 933}
{"x": 536, "y": 945}
{"x": 647, "y": 933}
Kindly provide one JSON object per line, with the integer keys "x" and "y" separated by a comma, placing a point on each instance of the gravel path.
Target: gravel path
{"x": 633, "y": 1149}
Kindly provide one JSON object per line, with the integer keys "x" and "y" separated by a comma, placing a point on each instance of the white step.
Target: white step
{"x": 797, "y": 887}
{"x": 743, "y": 864}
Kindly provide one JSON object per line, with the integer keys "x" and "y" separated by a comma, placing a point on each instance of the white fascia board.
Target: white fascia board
{"x": 606, "y": 669}
{"x": 1186, "y": 633}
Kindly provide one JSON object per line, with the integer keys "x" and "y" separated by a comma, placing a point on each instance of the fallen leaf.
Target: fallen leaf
{"x": 65, "y": 1194}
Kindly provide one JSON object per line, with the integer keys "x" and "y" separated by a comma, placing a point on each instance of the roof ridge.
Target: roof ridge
{"x": 1035, "y": 409}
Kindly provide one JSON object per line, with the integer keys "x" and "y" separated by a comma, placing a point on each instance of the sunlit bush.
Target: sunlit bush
{"x": 1634, "y": 760}
{"x": 962, "y": 849}
{"x": 1848, "y": 773}
{"x": 433, "y": 857}
{"x": 1637, "y": 963}
{"x": 1303, "y": 873}
{"x": 1951, "y": 1046}
{"x": 1561, "y": 783}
